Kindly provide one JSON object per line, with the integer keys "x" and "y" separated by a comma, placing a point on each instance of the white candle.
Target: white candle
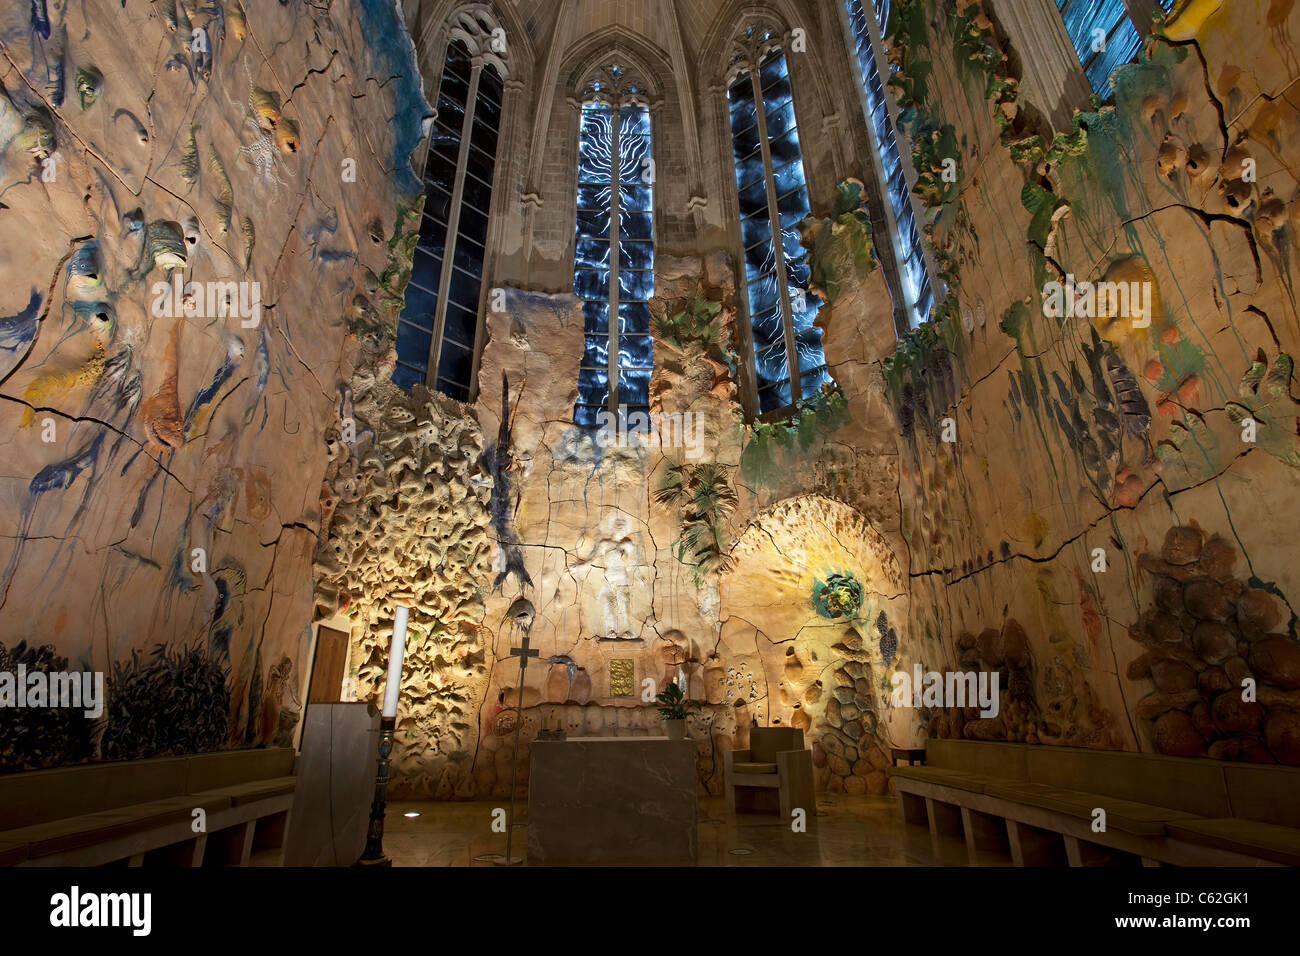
{"x": 393, "y": 686}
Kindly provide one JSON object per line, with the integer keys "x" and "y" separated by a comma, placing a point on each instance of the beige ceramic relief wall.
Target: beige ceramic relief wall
{"x": 811, "y": 558}
{"x": 768, "y": 586}
{"x": 163, "y": 454}
{"x": 1169, "y": 450}
{"x": 595, "y": 562}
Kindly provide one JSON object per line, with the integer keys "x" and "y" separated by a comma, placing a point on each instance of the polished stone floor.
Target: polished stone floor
{"x": 849, "y": 831}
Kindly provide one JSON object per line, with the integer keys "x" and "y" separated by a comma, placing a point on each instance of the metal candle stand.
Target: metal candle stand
{"x": 373, "y": 855}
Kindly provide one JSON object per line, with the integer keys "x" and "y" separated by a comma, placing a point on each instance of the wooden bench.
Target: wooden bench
{"x": 1039, "y": 803}
{"x": 141, "y": 812}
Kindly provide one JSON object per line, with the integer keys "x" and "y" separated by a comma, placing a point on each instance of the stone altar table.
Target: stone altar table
{"x": 613, "y": 800}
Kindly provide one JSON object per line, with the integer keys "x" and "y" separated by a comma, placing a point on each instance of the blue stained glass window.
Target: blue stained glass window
{"x": 773, "y": 191}
{"x": 614, "y": 144}
{"x": 913, "y": 274}
{"x": 458, "y": 192}
{"x": 882, "y": 14}
{"x": 1089, "y": 23}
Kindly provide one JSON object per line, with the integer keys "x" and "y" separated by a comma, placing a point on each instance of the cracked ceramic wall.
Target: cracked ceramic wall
{"x": 790, "y": 567}
{"x": 164, "y": 457}
{"x": 580, "y": 537}
{"x": 1088, "y": 437}
{"x": 616, "y": 575}
{"x": 588, "y": 551}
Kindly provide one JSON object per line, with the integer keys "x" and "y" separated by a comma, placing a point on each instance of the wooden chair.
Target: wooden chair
{"x": 774, "y": 775}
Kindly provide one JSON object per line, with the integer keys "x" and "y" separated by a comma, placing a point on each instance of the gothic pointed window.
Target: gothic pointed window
{"x": 613, "y": 270}
{"x": 1103, "y": 35}
{"x": 914, "y": 275}
{"x": 438, "y": 330}
{"x": 789, "y": 364}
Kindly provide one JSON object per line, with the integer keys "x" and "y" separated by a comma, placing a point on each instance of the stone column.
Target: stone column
{"x": 500, "y": 210}
{"x": 1052, "y": 79}
{"x": 1141, "y": 12}
{"x": 831, "y": 129}
{"x": 727, "y": 214}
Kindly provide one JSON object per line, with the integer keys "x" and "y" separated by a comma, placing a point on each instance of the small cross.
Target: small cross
{"x": 523, "y": 652}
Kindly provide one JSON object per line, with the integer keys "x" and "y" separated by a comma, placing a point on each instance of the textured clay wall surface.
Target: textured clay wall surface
{"x": 1111, "y": 527}
{"x": 769, "y": 584}
{"x": 160, "y": 499}
{"x": 788, "y": 568}
{"x": 757, "y": 563}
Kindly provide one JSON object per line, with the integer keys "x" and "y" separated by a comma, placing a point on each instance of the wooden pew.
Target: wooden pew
{"x": 142, "y": 812}
{"x": 1158, "y": 809}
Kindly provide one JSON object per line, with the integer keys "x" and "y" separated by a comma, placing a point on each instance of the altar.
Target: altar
{"x": 613, "y": 799}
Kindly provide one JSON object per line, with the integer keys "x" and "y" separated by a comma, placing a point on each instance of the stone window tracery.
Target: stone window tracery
{"x": 438, "y": 331}
{"x": 1088, "y": 22}
{"x": 789, "y": 364}
{"x": 614, "y": 248}
{"x": 914, "y": 274}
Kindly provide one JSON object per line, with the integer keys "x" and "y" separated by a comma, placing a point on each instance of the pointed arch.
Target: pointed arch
{"x": 651, "y": 63}
{"x": 783, "y": 16}
{"x": 615, "y": 89}
{"x": 440, "y": 330}
{"x": 436, "y": 22}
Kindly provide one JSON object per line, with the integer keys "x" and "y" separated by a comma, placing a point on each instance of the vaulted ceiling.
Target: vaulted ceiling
{"x": 666, "y": 23}
{"x": 653, "y": 18}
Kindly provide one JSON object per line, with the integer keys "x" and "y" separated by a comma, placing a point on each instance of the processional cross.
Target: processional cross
{"x": 523, "y": 652}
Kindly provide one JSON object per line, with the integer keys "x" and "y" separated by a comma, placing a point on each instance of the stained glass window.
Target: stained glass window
{"x": 1103, "y": 35}
{"x": 613, "y": 269}
{"x": 787, "y": 348}
{"x": 439, "y": 325}
{"x": 913, "y": 274}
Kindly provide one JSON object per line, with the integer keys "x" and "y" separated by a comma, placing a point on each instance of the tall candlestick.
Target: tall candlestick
{"x": 373, "y": 855}
{"x": 393, "y": 686}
